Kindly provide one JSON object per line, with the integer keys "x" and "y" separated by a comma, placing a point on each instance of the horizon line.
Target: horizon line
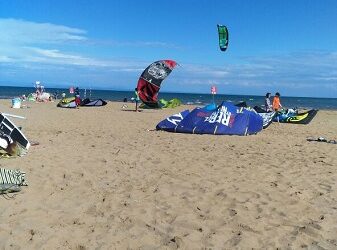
{"x": 167, "y": 92}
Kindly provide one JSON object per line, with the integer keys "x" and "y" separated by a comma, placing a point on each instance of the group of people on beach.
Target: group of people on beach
{"x": 270, "y": 106}
{"x": 275, "y": 105}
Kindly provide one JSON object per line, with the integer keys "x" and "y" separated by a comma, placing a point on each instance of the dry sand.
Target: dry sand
{"x": 102, "y": 179}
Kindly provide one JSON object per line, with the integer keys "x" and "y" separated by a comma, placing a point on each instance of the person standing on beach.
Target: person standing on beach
{"x": 267, "y": 103}
{"x": 77, "y": 97}
{"x": 276, "y": 102}
{"x": 77, "y": 100}
{"x": 137, "y": 98}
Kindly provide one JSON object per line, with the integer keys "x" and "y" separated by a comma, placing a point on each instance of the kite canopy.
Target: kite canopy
{"x": 67, "y": 103}
{"x": 12, "y": 132}
{"x": 150, "y": 80}
{"x": 93, "y": 103}
{"x": 226, "y": 119}
{"x": 223, "y": 37}
{"x": 70, "y": 103}
{"x": 171, "y": 123}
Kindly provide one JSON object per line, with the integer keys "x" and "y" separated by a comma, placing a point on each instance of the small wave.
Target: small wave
{"x": 6, "y": 97}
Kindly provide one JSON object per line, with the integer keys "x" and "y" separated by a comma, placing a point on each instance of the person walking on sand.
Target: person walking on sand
{"x": 137, "y": 98}
{"x": 267, "y": 103}
{"x": 276, "y": 102}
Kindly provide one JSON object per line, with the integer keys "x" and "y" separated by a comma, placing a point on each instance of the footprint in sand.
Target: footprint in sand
{"x": 324, "y": 186}
{"x": 232, "y": 212}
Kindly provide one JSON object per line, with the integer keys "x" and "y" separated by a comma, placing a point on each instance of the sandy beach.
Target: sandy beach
{"x": 103, "y": 178}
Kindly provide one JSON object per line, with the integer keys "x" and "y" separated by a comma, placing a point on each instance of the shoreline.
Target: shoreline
{"x": 164, "y": 92}
{"x": 184, "y": 104}
{"x": 193, "y": 98}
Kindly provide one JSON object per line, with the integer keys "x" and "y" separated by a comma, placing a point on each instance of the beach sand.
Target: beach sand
{"x": 102, "y": 178}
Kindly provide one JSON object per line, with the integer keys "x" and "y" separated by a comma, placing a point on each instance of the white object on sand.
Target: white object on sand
{"x": 14, "y": 116}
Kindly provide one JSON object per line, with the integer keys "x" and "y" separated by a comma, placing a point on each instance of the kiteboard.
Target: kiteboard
{"x": 296, "y": 118}
{"x": 9, "y": 128}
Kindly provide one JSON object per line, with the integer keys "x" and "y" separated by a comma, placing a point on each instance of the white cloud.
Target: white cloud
{"x": 23, "y": 42}
{"x": 5, "y": 59}
{"x": 17, "y": 37}
{"x": 29, "y": 45}
{"x": 206, "y": 70}
{"x": 57, "y": 57}
{"x": 292, "y": 73}
{"x": 135, "y": 44}
{"x": 14, "y": 31}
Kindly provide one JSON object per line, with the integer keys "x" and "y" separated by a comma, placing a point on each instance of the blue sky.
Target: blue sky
{"x": 285, "y": 46}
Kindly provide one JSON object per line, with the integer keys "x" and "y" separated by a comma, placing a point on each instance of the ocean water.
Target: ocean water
{"x": 193, "y": 99}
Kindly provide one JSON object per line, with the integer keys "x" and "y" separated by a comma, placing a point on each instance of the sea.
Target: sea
{"x": 9, "y": 92}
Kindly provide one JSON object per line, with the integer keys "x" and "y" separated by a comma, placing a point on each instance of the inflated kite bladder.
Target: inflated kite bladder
{"x": 5, "y": 140}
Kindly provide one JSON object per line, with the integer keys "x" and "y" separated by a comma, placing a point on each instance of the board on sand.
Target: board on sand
{"x": 9, "y": 128}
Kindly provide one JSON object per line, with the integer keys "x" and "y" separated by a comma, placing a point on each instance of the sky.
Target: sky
{"x": 289, "y": 46}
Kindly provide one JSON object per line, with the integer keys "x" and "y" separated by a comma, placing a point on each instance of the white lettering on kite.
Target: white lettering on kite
{"x": 178, "y": 119}
{"x": 221, "y": 116}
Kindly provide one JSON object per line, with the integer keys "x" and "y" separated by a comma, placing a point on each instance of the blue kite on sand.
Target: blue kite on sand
{"x": 171, "y": 123}
{"x": 226, "y": 119}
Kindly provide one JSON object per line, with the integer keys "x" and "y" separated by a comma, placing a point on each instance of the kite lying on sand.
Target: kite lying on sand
{"x": 226, "y": 119}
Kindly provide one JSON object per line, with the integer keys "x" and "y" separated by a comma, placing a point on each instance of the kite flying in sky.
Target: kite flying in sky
{"x": 223, "y": 37}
